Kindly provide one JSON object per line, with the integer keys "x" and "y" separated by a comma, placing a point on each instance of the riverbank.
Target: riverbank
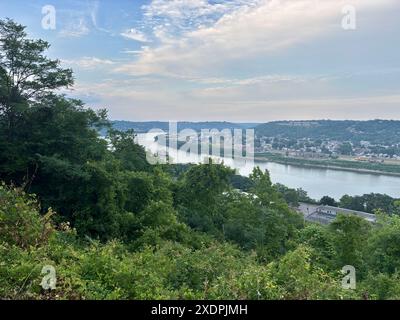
{"x": 314, "y": 179}
{"x": 332, "y": 164}
{"x": 344, "y": 165}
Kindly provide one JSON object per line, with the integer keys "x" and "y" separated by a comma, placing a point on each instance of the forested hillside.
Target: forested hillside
{"x": 114, "y": 227}
{"x": 384, "y": 132}
{"x": 197, "y": 126}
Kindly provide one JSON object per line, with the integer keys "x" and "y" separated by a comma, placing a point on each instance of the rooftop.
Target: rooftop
{"x": 326, "y": 214}
{"x": 366, "y": 215}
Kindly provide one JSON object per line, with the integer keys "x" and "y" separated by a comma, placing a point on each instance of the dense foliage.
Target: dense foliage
{"x": 371, "y": 203}
{"x": 115, "y": 227}
{"x": 195, "y": 265}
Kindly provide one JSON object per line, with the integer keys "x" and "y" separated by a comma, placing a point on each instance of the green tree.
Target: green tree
{"x": 346, "y": 148}
{"x": 26, "y": 73}
{"x": 396, "y": 207}
{"x": 27, "y": 78}
{"x": 328, "y": 201}
{"x": 291, "y": 196}
{"x": 383, "y": 248}
{"x": 369, "y": 203}
{"x": 350, "y": 234}
{"x": 320, "y": 240}
{"x": 131, "y": 155}
{"x": 50, "y": 144}
{"x": 253, "y": 226}
{"x": 198, "y": 195}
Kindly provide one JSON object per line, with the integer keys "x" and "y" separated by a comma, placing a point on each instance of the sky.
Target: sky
{"x": 233, "y": 60}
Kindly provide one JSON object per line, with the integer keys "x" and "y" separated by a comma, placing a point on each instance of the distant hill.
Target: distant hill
{"x": 375, "y": 131}
{"x": 141, "y": 127}
{"x": 385, "y": 132}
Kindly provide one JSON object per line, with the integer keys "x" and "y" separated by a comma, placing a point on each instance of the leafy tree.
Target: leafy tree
{"x": 203, "y": 183}
{"x": 131, "y": 155}
{"x": 319, "y": 239}
{"x": 383, "y": 249}
{"x": 328, "y": 201}
{"x": 26, "y": 73}
{"x": 99, "y": 210}
{"x": 369, "y": 203}
{"x": 29, "y": 111}
{"x": 346, "y": 148}
{"x": 396, "y": 207}
{"x": 350, "y": 234}
{"x": 266, "y": 229}
{"x": 291, "y": 196}
{"x": 241, "y": 182}
{"x": 198, "y": 195}
{"x": 263, "y": 189}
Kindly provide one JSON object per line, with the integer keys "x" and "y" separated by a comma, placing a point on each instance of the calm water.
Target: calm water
{"x": 317, "y": 182}
{"x": 334, "y": 183}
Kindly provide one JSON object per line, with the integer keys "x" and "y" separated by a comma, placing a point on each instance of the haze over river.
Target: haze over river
{"x": 317, "y": 182}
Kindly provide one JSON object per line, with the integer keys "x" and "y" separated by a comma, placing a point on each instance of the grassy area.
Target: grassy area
{"x": 392, "y": 168}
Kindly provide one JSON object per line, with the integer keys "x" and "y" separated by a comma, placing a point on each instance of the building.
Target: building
{"x": 326, "y": 214}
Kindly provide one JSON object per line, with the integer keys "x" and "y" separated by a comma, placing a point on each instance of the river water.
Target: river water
{"x": 317, "y": 182}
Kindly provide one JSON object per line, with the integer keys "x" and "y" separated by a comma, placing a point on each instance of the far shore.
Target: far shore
{"x": 308, "y": 164}
{"x": 324, "y": 166}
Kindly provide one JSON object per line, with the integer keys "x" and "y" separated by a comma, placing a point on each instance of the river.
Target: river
{"x": 317, "y": 182}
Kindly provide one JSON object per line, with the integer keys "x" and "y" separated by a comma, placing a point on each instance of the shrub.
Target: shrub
{"x": 20, "y": 221}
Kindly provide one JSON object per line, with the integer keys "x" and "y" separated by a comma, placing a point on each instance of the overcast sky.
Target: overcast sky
{"x": 237, "y": 60}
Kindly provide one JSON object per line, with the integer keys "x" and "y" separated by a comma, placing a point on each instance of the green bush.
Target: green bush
{"x": 20, "y": 221}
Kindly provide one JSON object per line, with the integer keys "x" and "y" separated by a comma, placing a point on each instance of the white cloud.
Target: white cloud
{"x": 214, "y": 36}
{"x": 75, "y": 29}
{"x": 201, "y": 60}
{"x": 136, "y": 35}
{"x": 80, "y": 21}
{"x": 252, "y": 80}
{"x": 88, "y": 62}
{"x": 189, "y": 14}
